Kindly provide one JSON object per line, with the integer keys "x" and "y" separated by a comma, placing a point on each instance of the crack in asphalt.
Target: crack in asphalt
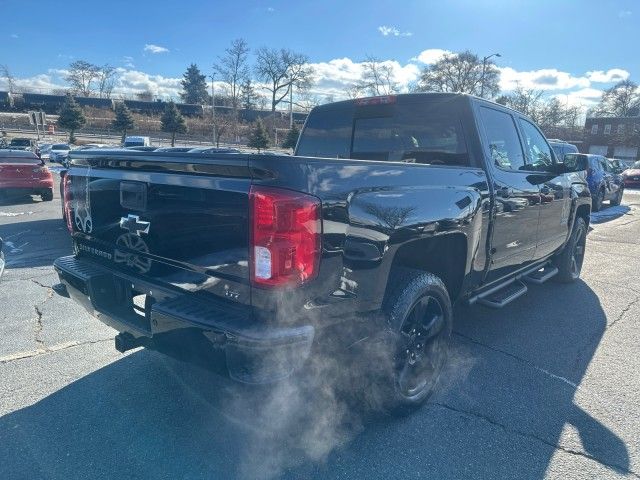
{"x": 521, "y": 360}
{"x": 623, "y": 312}
{"x": 39, "y": 326}
{"x": 39, "y": 284}
{"x": 555, "y": 446}
{"x": 52, "y": 349}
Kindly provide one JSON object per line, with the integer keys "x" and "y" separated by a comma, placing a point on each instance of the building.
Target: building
{"x": 613, "y": 137}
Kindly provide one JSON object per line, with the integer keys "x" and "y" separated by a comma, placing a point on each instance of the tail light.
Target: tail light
{"x": 66, "y": 198}
{"x": 284, "y": 236}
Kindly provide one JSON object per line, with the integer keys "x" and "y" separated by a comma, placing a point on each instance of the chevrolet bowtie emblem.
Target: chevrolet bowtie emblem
{"x": 134, "y": 224}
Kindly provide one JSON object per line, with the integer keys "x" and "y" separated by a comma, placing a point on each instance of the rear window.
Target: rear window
{"x": 60, "y": 146}
{"x": 420, "y": 133}
{"x": 21, "y": 142}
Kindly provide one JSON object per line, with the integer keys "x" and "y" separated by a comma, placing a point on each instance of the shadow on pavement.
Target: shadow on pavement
{"x": 35, "y": 243}
{"x": 508, "y": 394}
{"x": 609, "y": 213}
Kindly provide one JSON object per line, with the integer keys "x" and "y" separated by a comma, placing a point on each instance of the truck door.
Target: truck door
{"x": 555, "y": 191}
{"x": 517, "y": 195}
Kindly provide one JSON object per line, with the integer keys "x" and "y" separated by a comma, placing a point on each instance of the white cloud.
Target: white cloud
{"x": 543, "y": 79}
{"x": 610, "y": 76}
{"x": 392, "y": 31}
{"x": 150, "y": 47}
{"x": 133, "y": 81}
{"x": 271, "y": 9}
{"x": 624, "y": 13}
{"x": 335, "y": 76}
{"x": 14, "y": 35}
{"x": 583, "y": 97}
{"x": 431, "y": 55}
{"x": 128, "y": 61}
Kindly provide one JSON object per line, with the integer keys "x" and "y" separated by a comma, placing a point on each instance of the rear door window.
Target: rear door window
{"x": 502, "y": 139}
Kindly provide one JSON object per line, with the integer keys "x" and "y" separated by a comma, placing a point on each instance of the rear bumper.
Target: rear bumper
{"x": 188, "y": 326}
{"x": 27, "y": 186}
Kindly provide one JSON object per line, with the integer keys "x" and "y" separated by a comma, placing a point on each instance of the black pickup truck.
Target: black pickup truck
{"x": 392, "y": 209}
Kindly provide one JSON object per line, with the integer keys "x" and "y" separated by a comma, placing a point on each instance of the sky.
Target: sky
{"x": 572, "y": 49}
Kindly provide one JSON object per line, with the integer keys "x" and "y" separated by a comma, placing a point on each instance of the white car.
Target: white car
{"x": 59, "y": 152}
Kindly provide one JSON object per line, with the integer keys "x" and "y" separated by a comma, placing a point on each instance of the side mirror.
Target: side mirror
{"x": 570, "y": 163}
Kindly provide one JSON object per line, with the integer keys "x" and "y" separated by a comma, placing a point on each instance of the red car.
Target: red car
{"x": 22, "y": 172}
{"x": 631, "y": 176}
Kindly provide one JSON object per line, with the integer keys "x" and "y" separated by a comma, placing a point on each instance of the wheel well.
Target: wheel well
{"x": 444, "y": 256}
{"x": 584, "y": 211}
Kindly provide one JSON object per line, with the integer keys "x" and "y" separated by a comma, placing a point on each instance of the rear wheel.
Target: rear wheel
{"x": 617, "y": 200}
{"x": 569, "y": 262}
{"x": 597, "y": 201}
{"x": 47, "y": 195}
{"x": 420, "y": 319}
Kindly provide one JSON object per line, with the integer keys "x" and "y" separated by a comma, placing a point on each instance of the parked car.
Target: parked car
{"x": 631, "y": 176}
{"x": 59, "y": 152}
{"x": 618, "y": 166}
{"x": 392, "y": 209}
{"x": 45, "y": 149}
{"x": 1, "y": 257}
{"x": 136, "y": 141}
{"x": 561, "y": 148}
{"x": 604, "y": 183}
{"x": 24, "y": 173}
{"x": 28, "y": 144}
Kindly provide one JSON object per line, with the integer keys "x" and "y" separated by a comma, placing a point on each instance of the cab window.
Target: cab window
{"x": 537, "y": 150}
{"x": 502, "y": 139}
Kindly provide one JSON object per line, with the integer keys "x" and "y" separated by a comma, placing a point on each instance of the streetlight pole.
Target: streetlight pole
{"x": 213, "y": 107}
{"x": 484, "y": 68}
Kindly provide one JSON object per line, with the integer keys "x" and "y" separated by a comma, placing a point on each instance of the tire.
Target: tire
{"x": 569, "y": 261}
{"x": 47, "y": 195}
{"x": 419, "y": 307}
{"x": 617, "y": 200}
{"x": 596, "y": 203}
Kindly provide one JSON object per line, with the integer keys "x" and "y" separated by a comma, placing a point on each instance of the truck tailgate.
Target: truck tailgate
{"x": 169, "y": 219}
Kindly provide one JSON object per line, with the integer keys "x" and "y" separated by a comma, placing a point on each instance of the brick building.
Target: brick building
{"x": 613, "y": 137}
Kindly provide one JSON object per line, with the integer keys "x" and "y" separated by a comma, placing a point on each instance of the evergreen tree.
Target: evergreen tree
{"x": 259, "y": 138}
{"x": 123, "y": 120}
{"x": 195, "y": 86}
{"x": 248, "y": 95}
{"x": 172, "y": 122}
{"x": 71, "y": 117}
{"x": 292, "y": 138}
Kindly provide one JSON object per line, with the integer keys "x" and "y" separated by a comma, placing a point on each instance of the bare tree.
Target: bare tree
{"x": 527, "y": 101}
{"x": 5, "y": 73}
{"x": 106, "y": 80}
{"x": 619, "y": 100}
{"x": 81, "y": 76}
{"x": 282, "y": 70}
{"x": 377, "y": 78}
{"x": 233, "y": 69}
{"x": 461, "y": 72}
{"x": 145, "y": 96}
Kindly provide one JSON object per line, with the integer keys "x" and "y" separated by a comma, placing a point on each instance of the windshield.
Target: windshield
{"x": 60, "y": 146}
{"x": 21, "y": 142}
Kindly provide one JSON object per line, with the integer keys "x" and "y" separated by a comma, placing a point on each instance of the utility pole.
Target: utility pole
{"x": 213, "y": 107}
{"x": 290, "y": 106}
{"x": 484, "y": 67}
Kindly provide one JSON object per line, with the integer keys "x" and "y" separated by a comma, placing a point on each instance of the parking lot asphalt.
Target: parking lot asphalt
{"x": 548, "y": 387}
